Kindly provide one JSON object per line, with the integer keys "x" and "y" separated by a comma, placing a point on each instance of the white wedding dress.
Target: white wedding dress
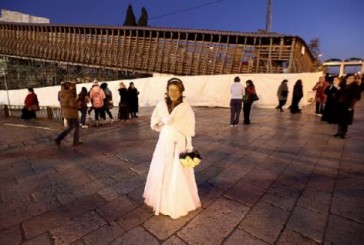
{"x": 171, "y": 188}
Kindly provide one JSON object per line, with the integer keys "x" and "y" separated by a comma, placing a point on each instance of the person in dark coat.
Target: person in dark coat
{"x": 282, "y": 94}
{"x": 133, "y": 100}
{"x": 108, "y": 103}
{"x": 347, "y": 96}
{"x": 124, "y": 102}
{"x": 296, "y": 97}
{"x": 331, "y": 102}
{"x": 70, "y": 112}
{"x": 31, "y": 105}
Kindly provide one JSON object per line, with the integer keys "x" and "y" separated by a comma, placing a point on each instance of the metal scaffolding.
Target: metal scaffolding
{"x": 146, "y": 50}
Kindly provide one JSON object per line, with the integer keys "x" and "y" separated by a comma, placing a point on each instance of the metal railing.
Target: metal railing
{"x": 44, "y": 112}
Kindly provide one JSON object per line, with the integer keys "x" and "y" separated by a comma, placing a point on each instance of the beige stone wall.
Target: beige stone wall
{"x": 12, "y": 16}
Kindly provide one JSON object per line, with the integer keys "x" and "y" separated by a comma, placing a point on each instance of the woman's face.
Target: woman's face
{"x": 336, "y": 81}
{"x": 173, "y": 92}
{"x": 349, "y": 80}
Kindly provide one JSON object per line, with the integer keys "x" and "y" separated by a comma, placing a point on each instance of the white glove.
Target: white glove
{"x": 189, "y": 147}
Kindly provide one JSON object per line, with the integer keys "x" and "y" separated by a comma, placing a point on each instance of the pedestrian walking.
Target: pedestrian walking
{"x": 108, "y": 102}
{"x": 296, "y": 97}
{"x": 282, "y": 94}
{"x": 70, "y": 113}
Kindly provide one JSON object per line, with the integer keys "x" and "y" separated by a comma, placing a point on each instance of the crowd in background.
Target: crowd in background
{"x": 335, "y": 99}
{"x": 101, "y": 102}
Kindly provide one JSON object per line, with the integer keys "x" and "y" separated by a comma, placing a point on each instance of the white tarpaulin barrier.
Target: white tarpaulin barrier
{"x": 200, "y": 90}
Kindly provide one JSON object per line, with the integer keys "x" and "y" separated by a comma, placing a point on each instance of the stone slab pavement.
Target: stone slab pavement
{"x": 284, "y": 179}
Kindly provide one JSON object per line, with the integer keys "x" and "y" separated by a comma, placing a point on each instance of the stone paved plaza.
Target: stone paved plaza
{"x": 284, "y": 179}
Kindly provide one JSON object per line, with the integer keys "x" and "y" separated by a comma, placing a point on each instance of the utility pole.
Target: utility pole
{"x": 268, "y": 26}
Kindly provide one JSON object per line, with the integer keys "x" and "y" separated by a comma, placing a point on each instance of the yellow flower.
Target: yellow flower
{"x": 196, "y": 161}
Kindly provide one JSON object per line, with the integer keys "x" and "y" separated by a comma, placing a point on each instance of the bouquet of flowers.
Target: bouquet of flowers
{"x": 190, "y": 159}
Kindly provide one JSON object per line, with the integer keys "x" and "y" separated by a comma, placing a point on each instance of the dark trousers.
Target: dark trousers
{"x": 71, "y": 124}
{"x": 294, "y": 107}
{"x": 235, "y": 109}
{"x": 99, "y": 113}
{"x": 108, "y": 112}
{"x": 123, "y": 113}
{"x": 345, "y": 118}
{"x": 27, "y": 114}
{"x": 281, "y": 104}
{"x": 247, "y": 108}
{"x": 83, "y": 115}
{"x": 342, "y": 129}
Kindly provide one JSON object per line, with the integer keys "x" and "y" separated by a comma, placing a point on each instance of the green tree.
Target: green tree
{"x": 143, "y": 20}
{"x": 130, "y": 17}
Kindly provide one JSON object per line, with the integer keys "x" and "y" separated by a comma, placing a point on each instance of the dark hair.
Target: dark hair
{"x": 284, "y": 81}
{"x": 237, "y": 79}
{"x": 103, "y": 85}
{"x": 30, "y": 89}
{"x": 131, "y": 83}
{"x": 299, "y": 82}
{"x": 349, "y": 75}
{"x": 84, "y": 91}
{"x": 177, "y": 82}
{"x": 250, "y": 83}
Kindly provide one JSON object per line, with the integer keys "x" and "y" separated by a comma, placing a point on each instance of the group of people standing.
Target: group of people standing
{"x": 101, "y": 100}
{"x": 336, "y": 99}
{"x": 129, "y": 102}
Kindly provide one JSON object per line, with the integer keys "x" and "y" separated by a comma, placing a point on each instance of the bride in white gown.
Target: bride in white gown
{"x": 171, "y": 188}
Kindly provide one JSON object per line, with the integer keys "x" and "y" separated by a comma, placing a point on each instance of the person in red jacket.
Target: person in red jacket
{"x": 31, "y": 105}
{"x": 248, "y": 99}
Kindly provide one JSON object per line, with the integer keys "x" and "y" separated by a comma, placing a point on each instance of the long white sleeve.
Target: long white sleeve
{"x": 189, "y": 147}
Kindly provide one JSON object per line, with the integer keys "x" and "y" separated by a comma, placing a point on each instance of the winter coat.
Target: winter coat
{"x": 347, "y": 96}
{"x": 31, "y": 100}
{"x": 320, "y": 96}
{"x": 97, "y": 97}
{"x": 297, "y": 91}
{"x": 249, "y": 92}
{"x": 282, "y": 92}
{"x": 124, "y": 96}
{"x": 133, "y": 99}
{"x": 82, "y": 100}
{"x": 68, "y": 103}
